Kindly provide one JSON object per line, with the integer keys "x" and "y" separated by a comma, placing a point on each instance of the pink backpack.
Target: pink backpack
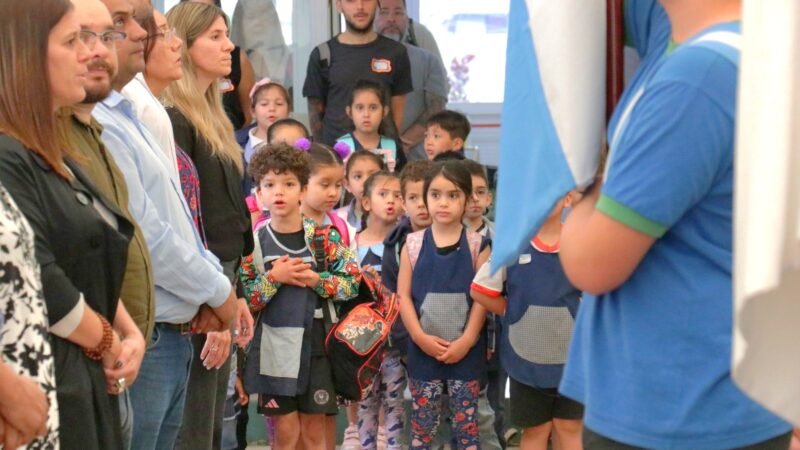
{"x": 341, "y": 227}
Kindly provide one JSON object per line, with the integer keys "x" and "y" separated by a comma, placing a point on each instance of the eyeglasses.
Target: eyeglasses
{"x": 108, "y": 38}
{"x": 168, "y": 36}
{"x": 480, "y": 193}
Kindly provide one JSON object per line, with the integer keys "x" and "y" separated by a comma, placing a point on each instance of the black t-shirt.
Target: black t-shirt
{"x": 295, "y": 240}
{"x": 382, "y": 60}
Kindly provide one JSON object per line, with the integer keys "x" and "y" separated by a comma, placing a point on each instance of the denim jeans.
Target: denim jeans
{"x": 159, "y": 394}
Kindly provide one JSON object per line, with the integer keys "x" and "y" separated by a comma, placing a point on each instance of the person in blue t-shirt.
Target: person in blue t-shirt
{"x": 651, "y": 354}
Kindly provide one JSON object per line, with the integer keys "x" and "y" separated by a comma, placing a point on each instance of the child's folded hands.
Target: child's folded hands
{"x": 433, "y": 346}
{"x": 289, "y": 271}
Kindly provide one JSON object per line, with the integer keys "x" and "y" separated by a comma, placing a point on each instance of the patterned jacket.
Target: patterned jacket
{"x": 339, "y": 282}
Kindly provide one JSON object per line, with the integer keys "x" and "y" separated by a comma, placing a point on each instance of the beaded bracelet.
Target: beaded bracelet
{"x": 105, "y": 343}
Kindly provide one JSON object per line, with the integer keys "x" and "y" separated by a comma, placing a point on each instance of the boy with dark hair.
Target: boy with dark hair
{"x": 411, "y": 180}
{"x": 287, "y": 365}
{"x": 480, "y": 201}
{"x": 446, "y": 131}
{"x": 474, "y": 220}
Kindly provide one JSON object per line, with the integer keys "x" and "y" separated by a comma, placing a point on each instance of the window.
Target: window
{"x": 471, "y": 35}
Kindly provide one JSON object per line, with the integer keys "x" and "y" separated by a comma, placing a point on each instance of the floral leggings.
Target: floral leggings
{"x": 388, "y": 392}
{"x": 463, "y": 402}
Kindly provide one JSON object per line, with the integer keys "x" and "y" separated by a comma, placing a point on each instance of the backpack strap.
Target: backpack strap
{"x": 258, "y": 257}
{"x": 318, "y": 244}
{"x": 389, "y": 143}
{"x": 412, "y": 36}
{"x": 341, "y": 227}
{"x": 414, "y": 246}
{"x": 324, "y": 54}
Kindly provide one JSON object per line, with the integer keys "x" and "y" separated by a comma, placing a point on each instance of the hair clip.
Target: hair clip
{"x": 257, "y": 85}
{"x": 302, "y": 144}
{"x": 342, "y": 149}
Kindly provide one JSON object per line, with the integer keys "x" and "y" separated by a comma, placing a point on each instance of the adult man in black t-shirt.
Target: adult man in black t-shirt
{"x": 357, "y": 53}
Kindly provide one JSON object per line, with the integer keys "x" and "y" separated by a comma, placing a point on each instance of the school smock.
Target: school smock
{"x": 390, "y": 260}
{"x": 440, "y": 291}
{"x": 280, "y": 352}
{"x": 390, "y": 267}
{"x": 651, "y": 359}
{"x": 279, "y": 358}
{"x": 539, "y": 317}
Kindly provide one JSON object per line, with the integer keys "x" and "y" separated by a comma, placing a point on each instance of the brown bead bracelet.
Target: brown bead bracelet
{"x": 105, "y": 343}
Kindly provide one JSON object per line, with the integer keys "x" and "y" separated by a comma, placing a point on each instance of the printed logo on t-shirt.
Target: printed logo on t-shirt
{"x": 381, "y": 65}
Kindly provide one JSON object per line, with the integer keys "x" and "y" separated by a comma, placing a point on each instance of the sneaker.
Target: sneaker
{"x": 513, "y": 436}
{"x": 351, "y": 440}
{"x": 383, "y": 441}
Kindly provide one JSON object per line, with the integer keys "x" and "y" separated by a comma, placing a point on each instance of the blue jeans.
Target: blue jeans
{"x": 159, "y": 394}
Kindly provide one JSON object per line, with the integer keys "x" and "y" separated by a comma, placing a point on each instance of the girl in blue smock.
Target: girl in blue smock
{"x": 447, "y": 348}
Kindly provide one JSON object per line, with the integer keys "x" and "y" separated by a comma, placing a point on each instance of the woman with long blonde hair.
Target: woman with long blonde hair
{"x": 204, "y": 132}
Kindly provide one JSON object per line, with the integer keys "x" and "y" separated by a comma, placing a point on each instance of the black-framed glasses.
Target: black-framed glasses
{"x": 108, "y": 38}
{"x": 168, "y": 35}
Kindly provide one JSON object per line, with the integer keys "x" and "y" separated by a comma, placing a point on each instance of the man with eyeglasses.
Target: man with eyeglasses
{"x": 191, "y": 293}
{"x": 428, "y": 75}
{"x": 99, "y": 35}
{"x": 395, "y": 24}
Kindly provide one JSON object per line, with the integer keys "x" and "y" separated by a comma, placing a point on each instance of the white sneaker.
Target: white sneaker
{"x": 351, "y": 440}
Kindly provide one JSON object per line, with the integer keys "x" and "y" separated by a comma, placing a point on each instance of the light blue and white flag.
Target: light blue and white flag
{"x": 553, "y": 118}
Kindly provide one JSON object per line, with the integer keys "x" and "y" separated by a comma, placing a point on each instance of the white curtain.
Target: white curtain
{"x": 766, "y": 350}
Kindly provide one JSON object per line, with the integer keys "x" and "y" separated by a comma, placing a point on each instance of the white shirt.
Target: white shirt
{"x": 152, "y": 114}
{"x": 186, "y": 274}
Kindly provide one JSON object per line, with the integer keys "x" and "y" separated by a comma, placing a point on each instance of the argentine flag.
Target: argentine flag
{"x": 553, "y": 118}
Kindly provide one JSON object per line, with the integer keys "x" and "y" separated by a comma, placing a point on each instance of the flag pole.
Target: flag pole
{"x": 615, "y": 43}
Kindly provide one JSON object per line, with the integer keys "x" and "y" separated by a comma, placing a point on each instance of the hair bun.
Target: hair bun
{"x": 302, "y": 144}
{"x": 342, "y": 149}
